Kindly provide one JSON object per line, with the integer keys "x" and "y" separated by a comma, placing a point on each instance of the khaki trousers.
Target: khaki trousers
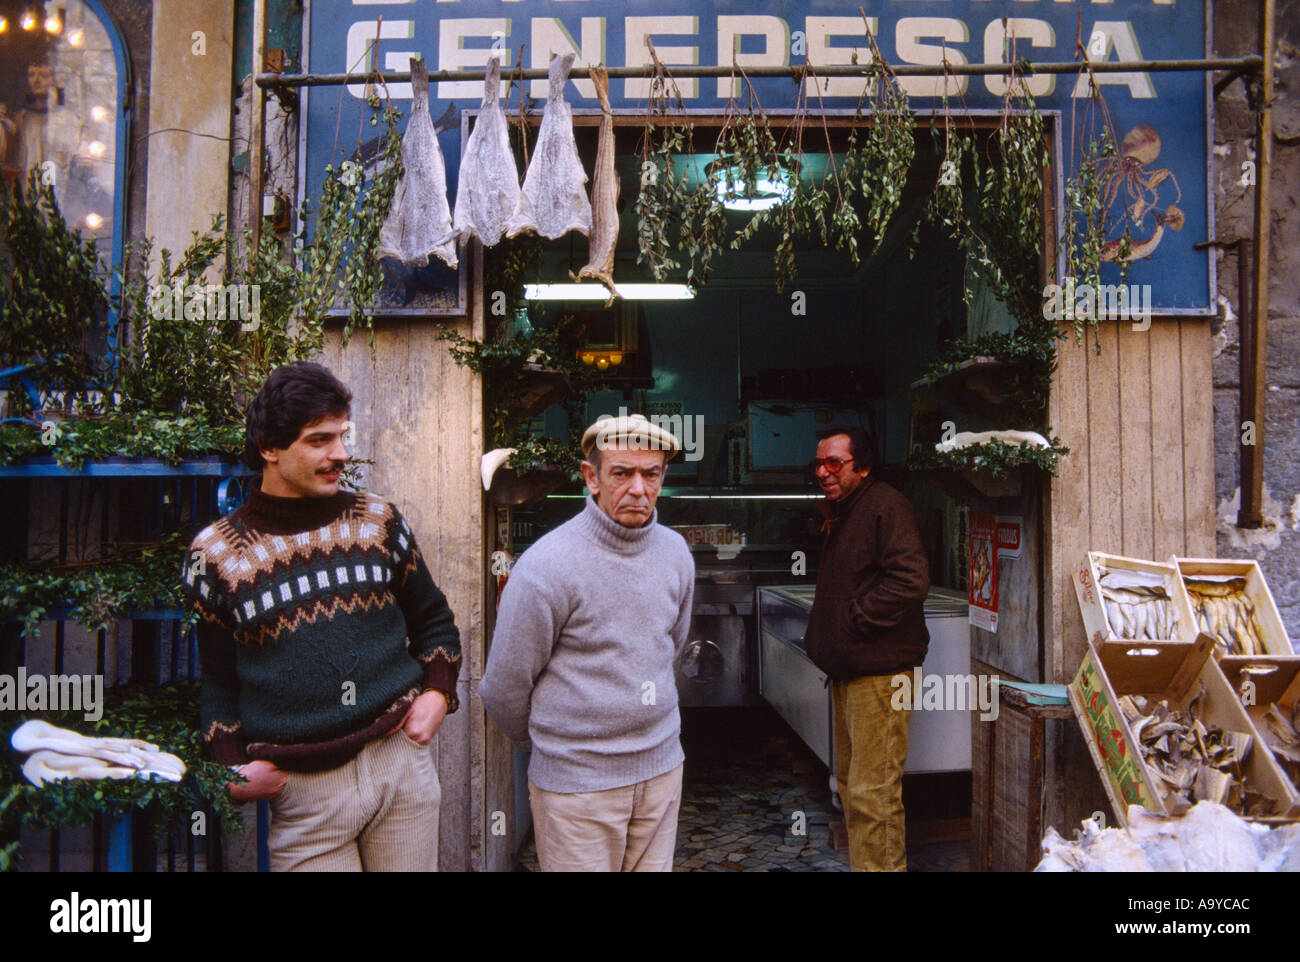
{"x": 870, "y": 750}
{"x": 376, "y": 813}
{"x": 628, "y": 829}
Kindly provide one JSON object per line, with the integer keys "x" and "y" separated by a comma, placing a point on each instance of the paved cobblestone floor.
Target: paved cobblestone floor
{"x": 755, "y": 799}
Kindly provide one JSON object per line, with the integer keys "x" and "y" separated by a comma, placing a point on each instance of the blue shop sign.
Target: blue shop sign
{"x": 1161, "y": 118}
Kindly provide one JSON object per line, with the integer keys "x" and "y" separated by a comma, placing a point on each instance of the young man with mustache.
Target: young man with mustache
{"x": 581, "y": 666}
{"x": 329, "y": 655}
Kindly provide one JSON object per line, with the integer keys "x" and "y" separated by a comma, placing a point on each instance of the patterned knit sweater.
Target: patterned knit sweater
{"x": 305, "y": 608}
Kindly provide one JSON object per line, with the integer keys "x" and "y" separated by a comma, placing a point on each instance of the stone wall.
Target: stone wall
{"x": 1277, "y": 545}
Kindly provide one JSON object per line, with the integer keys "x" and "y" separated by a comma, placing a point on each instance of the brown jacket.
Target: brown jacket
{"x": 868, "y": 617}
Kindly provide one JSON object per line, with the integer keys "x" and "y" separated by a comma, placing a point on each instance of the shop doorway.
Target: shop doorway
{"x": 748, "y": 376}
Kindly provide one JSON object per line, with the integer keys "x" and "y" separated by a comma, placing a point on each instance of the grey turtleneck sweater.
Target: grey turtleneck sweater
{"x": 581, "y": 664}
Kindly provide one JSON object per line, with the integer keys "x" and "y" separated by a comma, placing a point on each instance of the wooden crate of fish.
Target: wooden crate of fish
{"x": 1268, "y": 687}
{"x": 1230, "y": 601}
{"x": 1132, "y": 598}
{"x": 1165, "y": 730}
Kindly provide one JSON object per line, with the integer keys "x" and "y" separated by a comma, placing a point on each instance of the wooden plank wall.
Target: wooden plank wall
{"x": 419, "y": 416}
{"x": 1139, "y": 481}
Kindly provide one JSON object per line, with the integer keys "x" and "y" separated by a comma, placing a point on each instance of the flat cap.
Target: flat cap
{"x": 631, "y": 432}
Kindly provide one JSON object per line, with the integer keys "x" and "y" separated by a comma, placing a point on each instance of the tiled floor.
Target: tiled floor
{"x": 757, "y": 800}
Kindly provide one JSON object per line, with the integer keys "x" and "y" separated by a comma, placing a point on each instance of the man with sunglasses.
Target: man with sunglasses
{"x": 867, "y": 625}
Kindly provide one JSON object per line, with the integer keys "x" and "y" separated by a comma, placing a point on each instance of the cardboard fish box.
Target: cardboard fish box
{"x": 1271, "y": 630}
{"x": 1176, "y": 673}
{"x": 1262, "y": 682}
{"x": 1098, "y": 612}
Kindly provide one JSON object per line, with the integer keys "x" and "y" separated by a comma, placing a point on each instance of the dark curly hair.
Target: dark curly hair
{"x": 294, "y": 396}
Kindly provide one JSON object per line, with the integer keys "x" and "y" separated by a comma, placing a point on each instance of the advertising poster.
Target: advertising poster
{"x": 984, "y": 570}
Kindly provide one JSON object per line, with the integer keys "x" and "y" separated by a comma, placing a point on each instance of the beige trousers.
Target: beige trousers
{"x": 628, "y": 829}
{"x": 870, "y": 750}
{"x": 376, "y": 813}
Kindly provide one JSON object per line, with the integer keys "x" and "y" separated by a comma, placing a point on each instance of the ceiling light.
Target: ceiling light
{"x": 98, "y": 113}
{"x": 77, "y": 37}
{"x": 53, "y": 25}
{"x": 4, "y": 24}
{"x": 595, "y": 292}
{"x": 94, "y": 221}
{"x": 28, "y": 21}
{"x": 765, "y": 195}
{"x": 96, "y": 148}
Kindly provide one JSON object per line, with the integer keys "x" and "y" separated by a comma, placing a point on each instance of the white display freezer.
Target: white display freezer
{"x": 938, "y": 740}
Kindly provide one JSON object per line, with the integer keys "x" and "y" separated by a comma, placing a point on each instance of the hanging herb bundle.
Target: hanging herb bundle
{"x": 1007, "y": 236}
{"x": 880, "y": 165}
{"x": 663, "y": 194}
{"x": 747, "y": 155}
{"x": 1091, "y": 234}
{"x": 841, "y": 228}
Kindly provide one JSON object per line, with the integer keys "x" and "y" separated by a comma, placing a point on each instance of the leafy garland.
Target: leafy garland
{"x": 166, "y": 716}
{"x": 996, "y": 457}
{"x": 129, "y": 578}
{"x": 170, "y": 438}
{"x": 503, "y": 364}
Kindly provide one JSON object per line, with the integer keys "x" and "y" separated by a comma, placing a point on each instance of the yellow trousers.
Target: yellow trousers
{"x": 870, "y": 750}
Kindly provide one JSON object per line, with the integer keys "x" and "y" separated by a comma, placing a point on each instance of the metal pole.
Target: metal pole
{"x": 1249, "y": 514}
{"x": 257, "y": 129}
{"x": 1252, "y": 485}
{"x": 1252, "y": 63}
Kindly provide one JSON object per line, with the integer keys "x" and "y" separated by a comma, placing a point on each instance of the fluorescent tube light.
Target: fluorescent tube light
{"x": 595, "y": 292}
{"x": 767, "y": 194}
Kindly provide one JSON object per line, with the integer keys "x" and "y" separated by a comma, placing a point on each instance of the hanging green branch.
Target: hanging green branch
{"x": 663, "y": 194}
{"x": 1091, "y": 235}
{"x": 882, "y": 164}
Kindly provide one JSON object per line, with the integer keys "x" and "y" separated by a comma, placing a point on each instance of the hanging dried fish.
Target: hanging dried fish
{"x": 554, "y": 197}
{"x": 487, "y": 192}
{"x": 604, "y": 193}
{"x": 419, "y": 222}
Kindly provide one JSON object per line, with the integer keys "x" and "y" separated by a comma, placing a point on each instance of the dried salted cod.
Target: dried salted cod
{"x": 57, "y": 753}
{"x": 554, "y": 199}
{"x": 1208, "y": 838}
{"x": 604, "y": 193}
{"x": 488, "y": 190}
{"x": 419, "y": 222}
{"x": 964, "y": 439}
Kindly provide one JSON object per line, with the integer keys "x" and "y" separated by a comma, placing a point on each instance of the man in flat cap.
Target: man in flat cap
{"x": 580, "y": 671}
